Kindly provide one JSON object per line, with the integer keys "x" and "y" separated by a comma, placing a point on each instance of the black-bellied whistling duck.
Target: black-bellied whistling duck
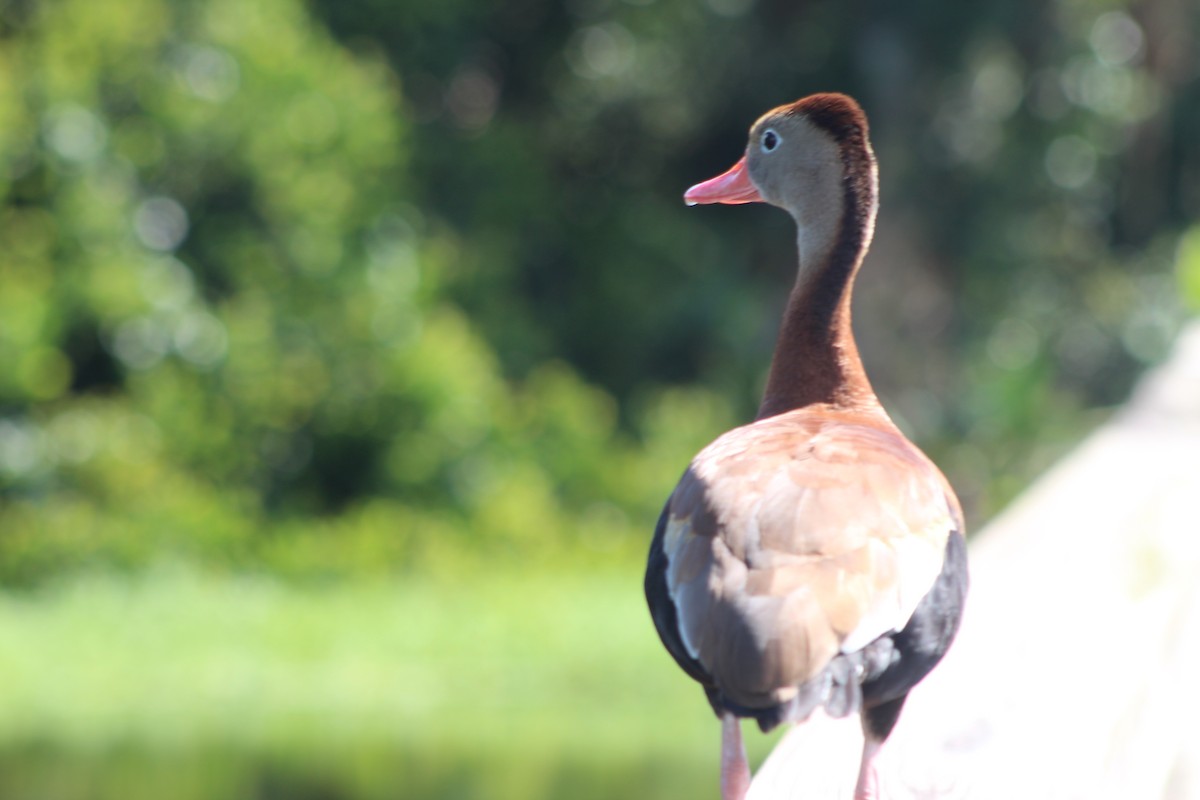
{"x": 815, "y": 557}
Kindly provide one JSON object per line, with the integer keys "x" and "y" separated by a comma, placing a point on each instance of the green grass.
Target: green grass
{"x": 185, "y": 685}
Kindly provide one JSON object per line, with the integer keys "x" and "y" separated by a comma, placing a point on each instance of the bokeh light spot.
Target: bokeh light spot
{"x": 21, "y": 447}
{"x": 601, "y": 51}
{"x": 210, "y": 74}
{"x": 1070, "y": 161}
{"x": 996, "y": 89}
{"x": 140, "y": 343}
{"x": 75, "y": 133}
{"x": 167, "y": 283}
{"x": 1116, "y": 38}
{"x": 201, "y": 339}
{"x": 160, "y": 223}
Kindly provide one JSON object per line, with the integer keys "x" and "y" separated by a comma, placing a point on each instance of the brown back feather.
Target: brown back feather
{"x": 798, "y": 536}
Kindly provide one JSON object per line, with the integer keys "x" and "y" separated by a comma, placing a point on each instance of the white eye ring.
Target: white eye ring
{"x": 770, "y": 140}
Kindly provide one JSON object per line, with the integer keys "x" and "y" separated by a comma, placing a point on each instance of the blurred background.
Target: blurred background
{"x": 348, "y": 349}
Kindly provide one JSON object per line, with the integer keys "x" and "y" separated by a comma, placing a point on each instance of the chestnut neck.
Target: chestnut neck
{"x": 816, "y": 359}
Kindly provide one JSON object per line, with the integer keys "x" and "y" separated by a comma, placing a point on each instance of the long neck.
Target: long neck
{"x": 816, "y": 359}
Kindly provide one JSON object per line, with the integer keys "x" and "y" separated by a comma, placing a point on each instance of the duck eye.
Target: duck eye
{"x": 770, "y": 140}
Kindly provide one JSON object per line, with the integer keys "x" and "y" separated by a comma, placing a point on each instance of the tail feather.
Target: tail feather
{"x": 837, "y": 689}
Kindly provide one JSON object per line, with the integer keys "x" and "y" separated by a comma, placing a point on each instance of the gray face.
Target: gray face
{"x": 798, "y": 167}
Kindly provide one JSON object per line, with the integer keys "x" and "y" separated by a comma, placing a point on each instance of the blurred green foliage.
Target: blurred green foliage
{"x": 361, "y": 286}
{"x": 386, "y": 320}
{"x": 227, "y": 328}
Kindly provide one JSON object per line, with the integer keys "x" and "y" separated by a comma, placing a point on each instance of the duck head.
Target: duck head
{"x": 802, "y": 157}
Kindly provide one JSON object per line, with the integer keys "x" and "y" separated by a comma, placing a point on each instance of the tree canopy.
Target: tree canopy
{"x": 375, "y": 285}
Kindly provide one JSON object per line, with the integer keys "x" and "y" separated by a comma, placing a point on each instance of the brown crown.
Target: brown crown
{"x": 835, "y": 113}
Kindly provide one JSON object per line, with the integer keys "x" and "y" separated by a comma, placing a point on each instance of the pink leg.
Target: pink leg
{"x": 867, "y": 787}
{"x": 735, "y": 770}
